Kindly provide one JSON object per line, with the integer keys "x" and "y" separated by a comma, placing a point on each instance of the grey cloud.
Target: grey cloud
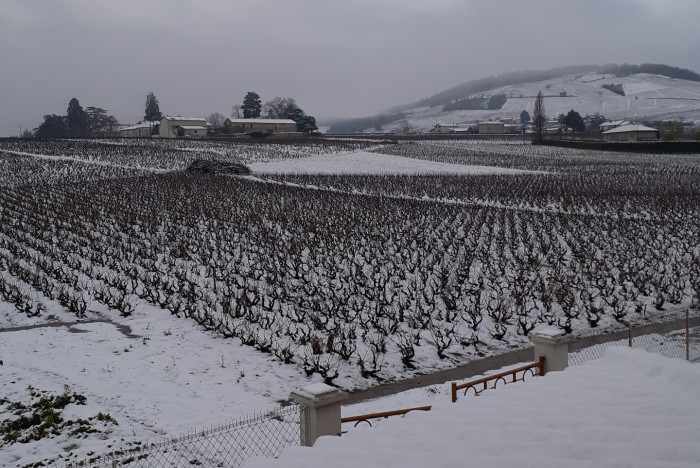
{"x": 335, "y": 58}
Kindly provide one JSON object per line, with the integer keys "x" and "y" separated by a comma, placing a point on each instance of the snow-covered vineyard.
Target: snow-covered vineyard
{"x": 374, "y": 276}
{"x": 354, "y": 279}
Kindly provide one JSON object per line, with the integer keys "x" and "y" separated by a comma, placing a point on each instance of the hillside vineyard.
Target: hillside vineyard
{"x": 369, "y": 274}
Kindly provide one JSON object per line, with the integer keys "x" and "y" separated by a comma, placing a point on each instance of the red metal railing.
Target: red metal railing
{"x": 530, "y": 368}
{"x": 366, "y": 417}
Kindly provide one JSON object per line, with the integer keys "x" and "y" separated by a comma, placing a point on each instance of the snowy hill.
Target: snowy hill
{"x": 646, "y": 97}
{"x": 637, "y": 97}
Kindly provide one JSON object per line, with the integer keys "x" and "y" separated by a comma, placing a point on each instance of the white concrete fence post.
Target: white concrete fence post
{"x": 553, "y": 344}
{"x": 321, "y": 415}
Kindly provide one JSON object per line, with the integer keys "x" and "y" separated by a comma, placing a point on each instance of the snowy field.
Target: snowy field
{"x": 160, "y": 379}
{"x": 362, "y": 162}
{"x": 148, "y": 301}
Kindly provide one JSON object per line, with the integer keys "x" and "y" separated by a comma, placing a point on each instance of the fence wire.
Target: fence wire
{"x": 228, "y": 445}
{"x": 671, "y": 344}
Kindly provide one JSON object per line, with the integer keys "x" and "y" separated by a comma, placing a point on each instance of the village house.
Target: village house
{"x": 631, "y": 132}
{"x": 605, "y": 126}
{"x": 143, "y": 129}
{"x": 440, "y": 128}
{"x": 260, "y": 125}
{"x": 182, "y": 127}
{"x": 491, "y": 127}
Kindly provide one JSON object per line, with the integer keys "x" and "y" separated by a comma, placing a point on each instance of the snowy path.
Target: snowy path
{"x": 85, "y": 161}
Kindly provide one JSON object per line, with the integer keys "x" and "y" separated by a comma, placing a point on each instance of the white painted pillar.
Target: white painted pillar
{"x": 553, "y": 344}
{"x": 321, "y": 414}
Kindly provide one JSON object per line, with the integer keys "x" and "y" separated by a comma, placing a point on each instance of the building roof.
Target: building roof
{"x": 629, "y": 408}
{"x": 262, "y": 121}
{"x": 171, "y": 117}
{"x": 192, "y": 127}
{"x": 614, "y": 123}
{"x": 145, "y": 124}
{"x": 630, "y": 128}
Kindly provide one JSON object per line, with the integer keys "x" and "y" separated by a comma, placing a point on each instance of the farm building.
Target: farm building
{"x": 491, "y": 128}
{"x": 182, "y": 127}
{"x": 260, "y": 125}
{"x": 631, "y": 132}
{"x": 440, "y": 128}
{"x": 605, "y": 126}
{"x": 140, "y": 130}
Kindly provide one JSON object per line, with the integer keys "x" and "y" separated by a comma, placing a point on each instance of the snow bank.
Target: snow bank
{"x": 630, "y": 408}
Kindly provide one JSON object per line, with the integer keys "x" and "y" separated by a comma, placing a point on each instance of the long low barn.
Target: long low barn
{"x": 631, "y": 132}
{"x": 260, "y": 125}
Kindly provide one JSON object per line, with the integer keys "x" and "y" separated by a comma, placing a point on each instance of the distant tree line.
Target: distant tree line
{"x": 78, "y": 122}
{"x": 651, "y": 68}
{"x": 494, "y": 102}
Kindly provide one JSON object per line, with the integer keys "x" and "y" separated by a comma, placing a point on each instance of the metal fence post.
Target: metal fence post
{"x": 687, "y": 334}
{"x": 321, "y": 415}
{"x": 629, "y": 334}
{"x": 553, "y": 344}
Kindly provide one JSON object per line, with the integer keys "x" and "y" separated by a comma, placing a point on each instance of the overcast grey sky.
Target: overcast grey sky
{"x": 336, "y": 58}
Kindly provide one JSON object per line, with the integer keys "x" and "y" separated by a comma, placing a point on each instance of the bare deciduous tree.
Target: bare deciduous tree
{"x": 216, "y": 119}
{"x": 279, "y": 108}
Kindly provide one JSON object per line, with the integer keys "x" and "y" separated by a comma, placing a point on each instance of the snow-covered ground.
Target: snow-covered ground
{"x": 153, "y": 374}
{"x": 157, "y": 375}
{"x": 362, "y": 162}
{"x": 629, "y": 408}
{"x": 160, "y": 377}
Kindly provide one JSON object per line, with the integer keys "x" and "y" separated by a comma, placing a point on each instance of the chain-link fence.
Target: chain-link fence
{"x": 683, "y": 343}
{"x": 228, "y": 445}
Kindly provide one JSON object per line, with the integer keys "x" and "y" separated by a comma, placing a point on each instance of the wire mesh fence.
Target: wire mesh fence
{"x": 683, "y": 344}
{"x": 228, "y": 445}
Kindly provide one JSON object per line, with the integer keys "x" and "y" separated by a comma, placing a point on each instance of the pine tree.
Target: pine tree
{"x": 77, "y": 119}
{"x": 252, "y": 106}
{"x": 152, "y": 108}
{"x": 574, "y": 121}
{"x": 524, "y": 117}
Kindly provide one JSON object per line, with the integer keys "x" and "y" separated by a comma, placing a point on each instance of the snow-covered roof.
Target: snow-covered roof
{"x": 629, "y": 408}
{"x": 192, "y": 127}
{"x": 630, "y": 128}
{"x": 615, "y": 123}
{"x": 145, "y": 124}
{"x": 262, "y": 121}
{"x": 170, "y": 117}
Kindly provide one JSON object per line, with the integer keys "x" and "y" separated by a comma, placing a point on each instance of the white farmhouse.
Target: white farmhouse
{"x": 182, "y": 127}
